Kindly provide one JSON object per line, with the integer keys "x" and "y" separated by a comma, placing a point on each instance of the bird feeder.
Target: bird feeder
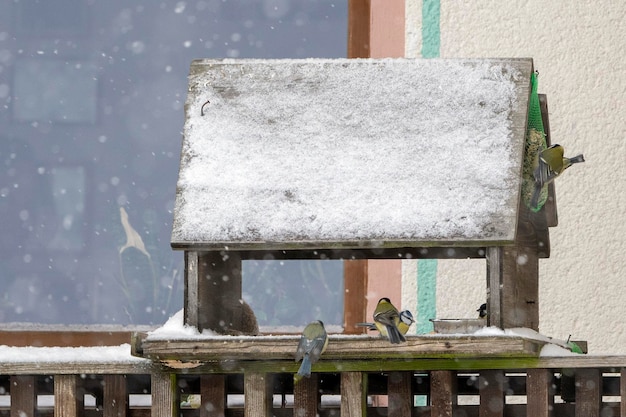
{"x": 356, "y": 159}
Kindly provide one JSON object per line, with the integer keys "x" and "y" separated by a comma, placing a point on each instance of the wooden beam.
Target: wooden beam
{"x": 306, "y": 397}
{"x": 492, "y": 388}
{"x": 23, "y": 396}
{"x": 68, "y": 400}
{"x": 165, "y": 398}
{"x": 213, "y": 395}
{"x": 218, "y": 301}
{"x": 495, "y": 255}
{"x": 355, "y": 280}
{"x": 359, "y": 12}
{"x": 443, "y": 393}
{"x": 258, "y": 394}
{"x": 400, "y": 395}
{"x": 115, "y": 396}
{"x": 353, "y": 394}
{"x": 539, "y": 393}
{"x": 588, "y": 392}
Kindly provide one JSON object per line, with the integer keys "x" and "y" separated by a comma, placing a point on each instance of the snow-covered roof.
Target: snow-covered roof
{"x": 316, "y": 153}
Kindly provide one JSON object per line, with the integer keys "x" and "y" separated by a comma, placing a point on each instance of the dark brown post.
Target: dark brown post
{"x": 359, "y": 28}
{"x": 213, "y": 291}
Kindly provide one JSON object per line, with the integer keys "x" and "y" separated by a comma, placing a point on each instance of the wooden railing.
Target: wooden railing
{"x": 583, "y": 386}
{"x": 493, "y": 385}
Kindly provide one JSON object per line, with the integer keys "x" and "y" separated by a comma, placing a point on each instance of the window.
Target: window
{"x": 90, "y": 144}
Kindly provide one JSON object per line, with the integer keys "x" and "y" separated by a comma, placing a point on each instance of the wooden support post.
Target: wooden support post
{"x": 353, "y": 394}
{"x": 400, "y": 398}
{"x": 258, "y": 394}
{"x": 494, "y": 258}
{"x": 213, "y": 291}
{"x": 165, "y": 398}
{"x": 23, "y": 396}
{"x": 622, "y": 392}
{"x": 539, "y": 393}
{"x": 306, "y": 397}
{"x": 115, "y": 396}
{"x": 213, "y": 395}
{"x": 68, "y": 399}
{"x": 443, "y": 393}
{"x": 355, "y": 295}
{"x": 588, "y": 392}
{"x": 491, "y": 384}
{"x": 520, "y": 276}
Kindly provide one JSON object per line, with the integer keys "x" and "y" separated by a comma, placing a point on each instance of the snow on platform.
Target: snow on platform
{"x": 351, "y": 153}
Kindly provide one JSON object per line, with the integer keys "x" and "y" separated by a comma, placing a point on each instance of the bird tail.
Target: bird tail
{"x": 395, "y": 337}
{"x": 577, "y": 159}
{"x": 305, "y": 369}
{"x": 534, "y": 201}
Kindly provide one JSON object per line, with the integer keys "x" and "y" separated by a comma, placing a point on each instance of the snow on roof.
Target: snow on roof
{"x": 346, "y": 151}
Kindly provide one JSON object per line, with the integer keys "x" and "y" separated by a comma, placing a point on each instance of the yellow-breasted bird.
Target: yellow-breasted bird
{"x": 387, "y": 319}
{"x": 550, "y": 164}
{"x": 312, "y": 344}
{"x": 406, "y": 319}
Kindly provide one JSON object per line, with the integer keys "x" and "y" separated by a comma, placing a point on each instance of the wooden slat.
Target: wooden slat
{"x": 399, "y": 394}
{"x": 355, "y": 301}
{"x": 68, "y": 399}
{"x": 258, "y": 393}
{"x": 23, "y": 396}
{"x": 115, "y": 396}
{"x": 495, "y": 257}
{"x": 339, "y": 347}
{"x": 63, "y": 337}
{"x": 213, "y": 395}
{"x": 622, "y": 391}
{"x": 443, "y": 393}
{"x": 165, "y": 398}
{"x": 491, "y": 388}
{"x": 539, "y": 393}
{"x": 353, "y": 394}
{"x": 588, "y": 392}
{"x": 359, "y": 28}
{"x": 306, "y": 397}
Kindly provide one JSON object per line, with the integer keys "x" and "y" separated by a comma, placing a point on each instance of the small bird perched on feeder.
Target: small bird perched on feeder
{"x": 482, "y": 311}
{"x": 550, "y": 164}
{"x": 387, "y": 319}
{"x": 406, "y": 320}
{"x": 312, "y": 344}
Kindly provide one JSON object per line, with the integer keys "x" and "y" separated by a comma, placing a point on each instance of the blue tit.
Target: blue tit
{"x": 386, "y": 320}
{"x": 312, "y": 344}
{"x": 482, "y": 311}
{"x": 406, "y": 320}
{"x": 550, "y": 163}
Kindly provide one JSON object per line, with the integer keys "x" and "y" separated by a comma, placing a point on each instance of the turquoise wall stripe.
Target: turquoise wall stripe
{"x": 431, "y": 37}
{"x": 427, "y": 268}
{"x": 426, "y": 294}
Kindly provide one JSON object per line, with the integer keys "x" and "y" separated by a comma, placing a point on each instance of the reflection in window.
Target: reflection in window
{"x": 95, "y": 95}
{"x": 68, "y": 193}
{"x": 293, "y": 293}
{"x": 55, "y": 90}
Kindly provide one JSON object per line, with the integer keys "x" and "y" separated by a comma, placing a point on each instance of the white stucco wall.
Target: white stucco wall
{"x": 579, "y": 50}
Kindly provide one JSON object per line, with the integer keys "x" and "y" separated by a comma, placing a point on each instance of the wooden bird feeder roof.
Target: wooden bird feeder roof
{"x": 351, "y": 153}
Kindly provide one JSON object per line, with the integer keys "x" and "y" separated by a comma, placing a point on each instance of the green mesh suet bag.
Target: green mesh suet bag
{"x": 535, "y": 143}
